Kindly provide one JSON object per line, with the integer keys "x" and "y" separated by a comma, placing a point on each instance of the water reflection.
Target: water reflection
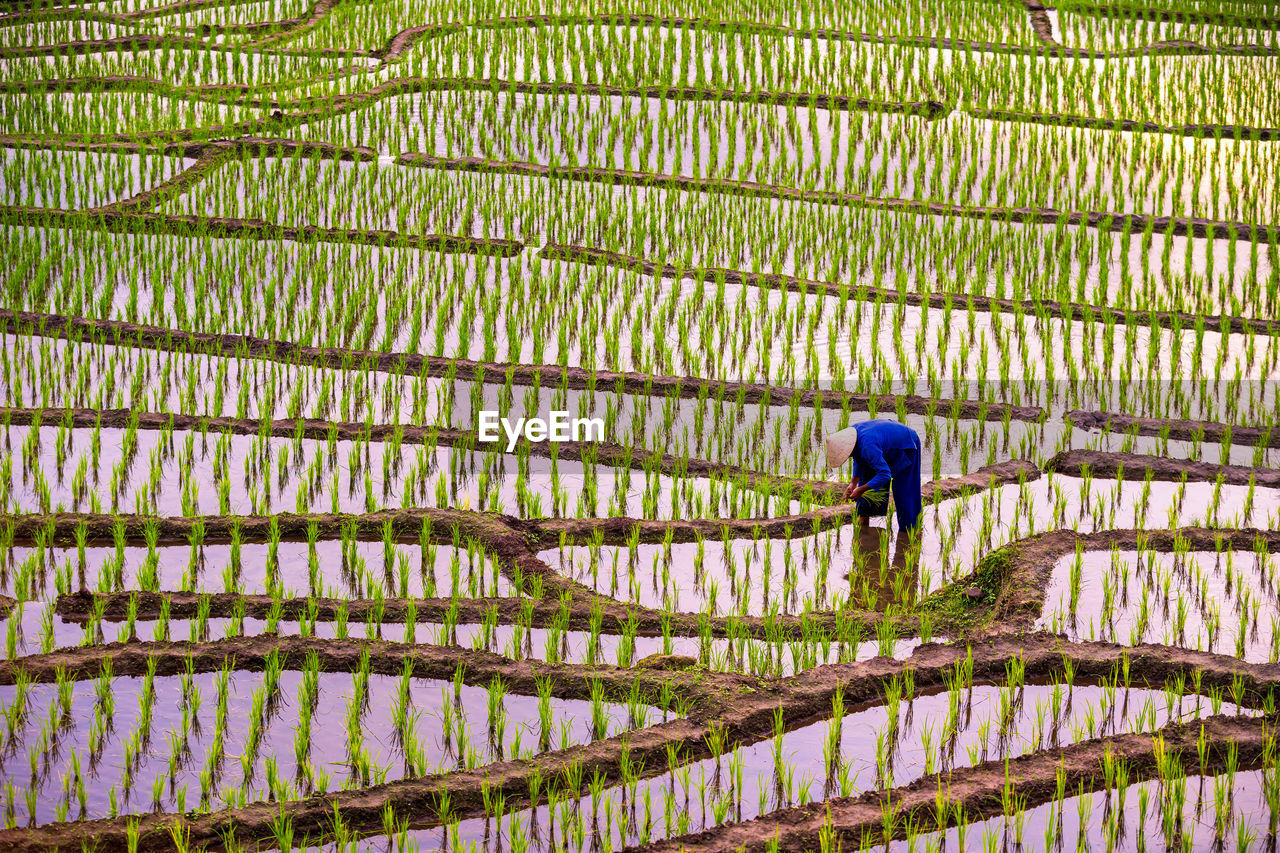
{"x": 878, "y": 581}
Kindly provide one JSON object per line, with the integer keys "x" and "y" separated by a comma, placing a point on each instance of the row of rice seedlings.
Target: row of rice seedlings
{"x": 75, "y": 180}
{"x": 744, "y": 577}
{"x": 729, "y": 58}
{"x": 1179, "y": 808}
{"x": 369, "y": 24}
{"x": 37, "y": 628}
{"x": 1197, "y": 600}
{"x": 767, "y": 437}
{"x": 59, "y": 31}
{"x": 229, "y": 14}
{"x": 184, "y": 66}
{"x": 1168, "y": 90}
{"x": 958, "y": 534}
{"x": 1115, "y": 29}
{"x": 62, "y": 113}
{"x": 334, "y": 568}
{"x": 108, "y": 766}
{"x": 345, "y": 476}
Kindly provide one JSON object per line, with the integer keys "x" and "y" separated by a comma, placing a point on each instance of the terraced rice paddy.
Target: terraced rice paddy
{"x": 268, "y": 582}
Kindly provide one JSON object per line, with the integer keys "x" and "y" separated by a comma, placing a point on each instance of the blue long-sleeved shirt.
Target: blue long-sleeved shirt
{"x": 881, "y": 452}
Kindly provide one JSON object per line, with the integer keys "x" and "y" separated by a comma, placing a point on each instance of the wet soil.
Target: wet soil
{"x": 1199, "y": 131}
{"x": 1040, "y": 22}
{"x": 1182, "y": 430}
{"x": 1133, "y": 466}
{"x": 126, "y": 222}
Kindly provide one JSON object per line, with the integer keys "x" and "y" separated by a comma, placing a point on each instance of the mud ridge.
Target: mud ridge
{"x": 1041, "y": 23}
{"x": 218, "y": 93}
{"x": 1050, "y": 308}
{"x": 1199, "y": 131}
{"x": 821, "y": 100}
{"x": 122, "y": 333}
{"x": 145, "y": 222}
{"x": 256, "y": 146}
{"x": 1182, "y": 430}
{"x": 1133, "y": 466}
{"x": 1118, "y": 222}
{"x": 613, "y": 616}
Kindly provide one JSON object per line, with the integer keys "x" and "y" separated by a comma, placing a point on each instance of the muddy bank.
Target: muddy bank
{"x": 1038, "y": 308}
{"x": 1029, "y": 563}
{"x": 570, "y": 681}
{"x": 1181, "y": 430}
{"x": 462, "y": 369}
{"x": 257, "y": 146}
{"x": 143, "y": 222}
{"x": 1041, "y": 23}
{"x": 1133, "y": 466}
{"x": 1200, "y": 131}
{"x": 577, "y": 614}
{"x": 328, "y": 107}
{"x": 1134, "y": 223}
{"x": 406, "y": 524}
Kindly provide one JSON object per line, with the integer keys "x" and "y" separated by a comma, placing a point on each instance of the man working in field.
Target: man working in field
{"x": 885, "y": 454}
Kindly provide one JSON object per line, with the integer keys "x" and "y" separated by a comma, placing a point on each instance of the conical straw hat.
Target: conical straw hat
{"x": 840, "y": 446}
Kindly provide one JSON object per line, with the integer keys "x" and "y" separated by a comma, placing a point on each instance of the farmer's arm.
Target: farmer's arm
{"x": 871, "y": 455}
{"x": 850, "y": 489}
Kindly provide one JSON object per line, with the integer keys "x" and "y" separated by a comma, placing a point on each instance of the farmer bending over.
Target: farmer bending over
{"x": 884, "y": 453}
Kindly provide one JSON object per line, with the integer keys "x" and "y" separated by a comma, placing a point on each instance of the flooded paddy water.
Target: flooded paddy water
{"x": 270, "y": 264}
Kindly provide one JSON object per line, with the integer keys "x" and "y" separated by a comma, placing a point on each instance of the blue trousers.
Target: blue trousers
{"x": 905, "y": 485}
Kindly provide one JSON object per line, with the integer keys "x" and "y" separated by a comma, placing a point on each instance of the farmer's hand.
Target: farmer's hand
{"x": 854, "y": 491}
